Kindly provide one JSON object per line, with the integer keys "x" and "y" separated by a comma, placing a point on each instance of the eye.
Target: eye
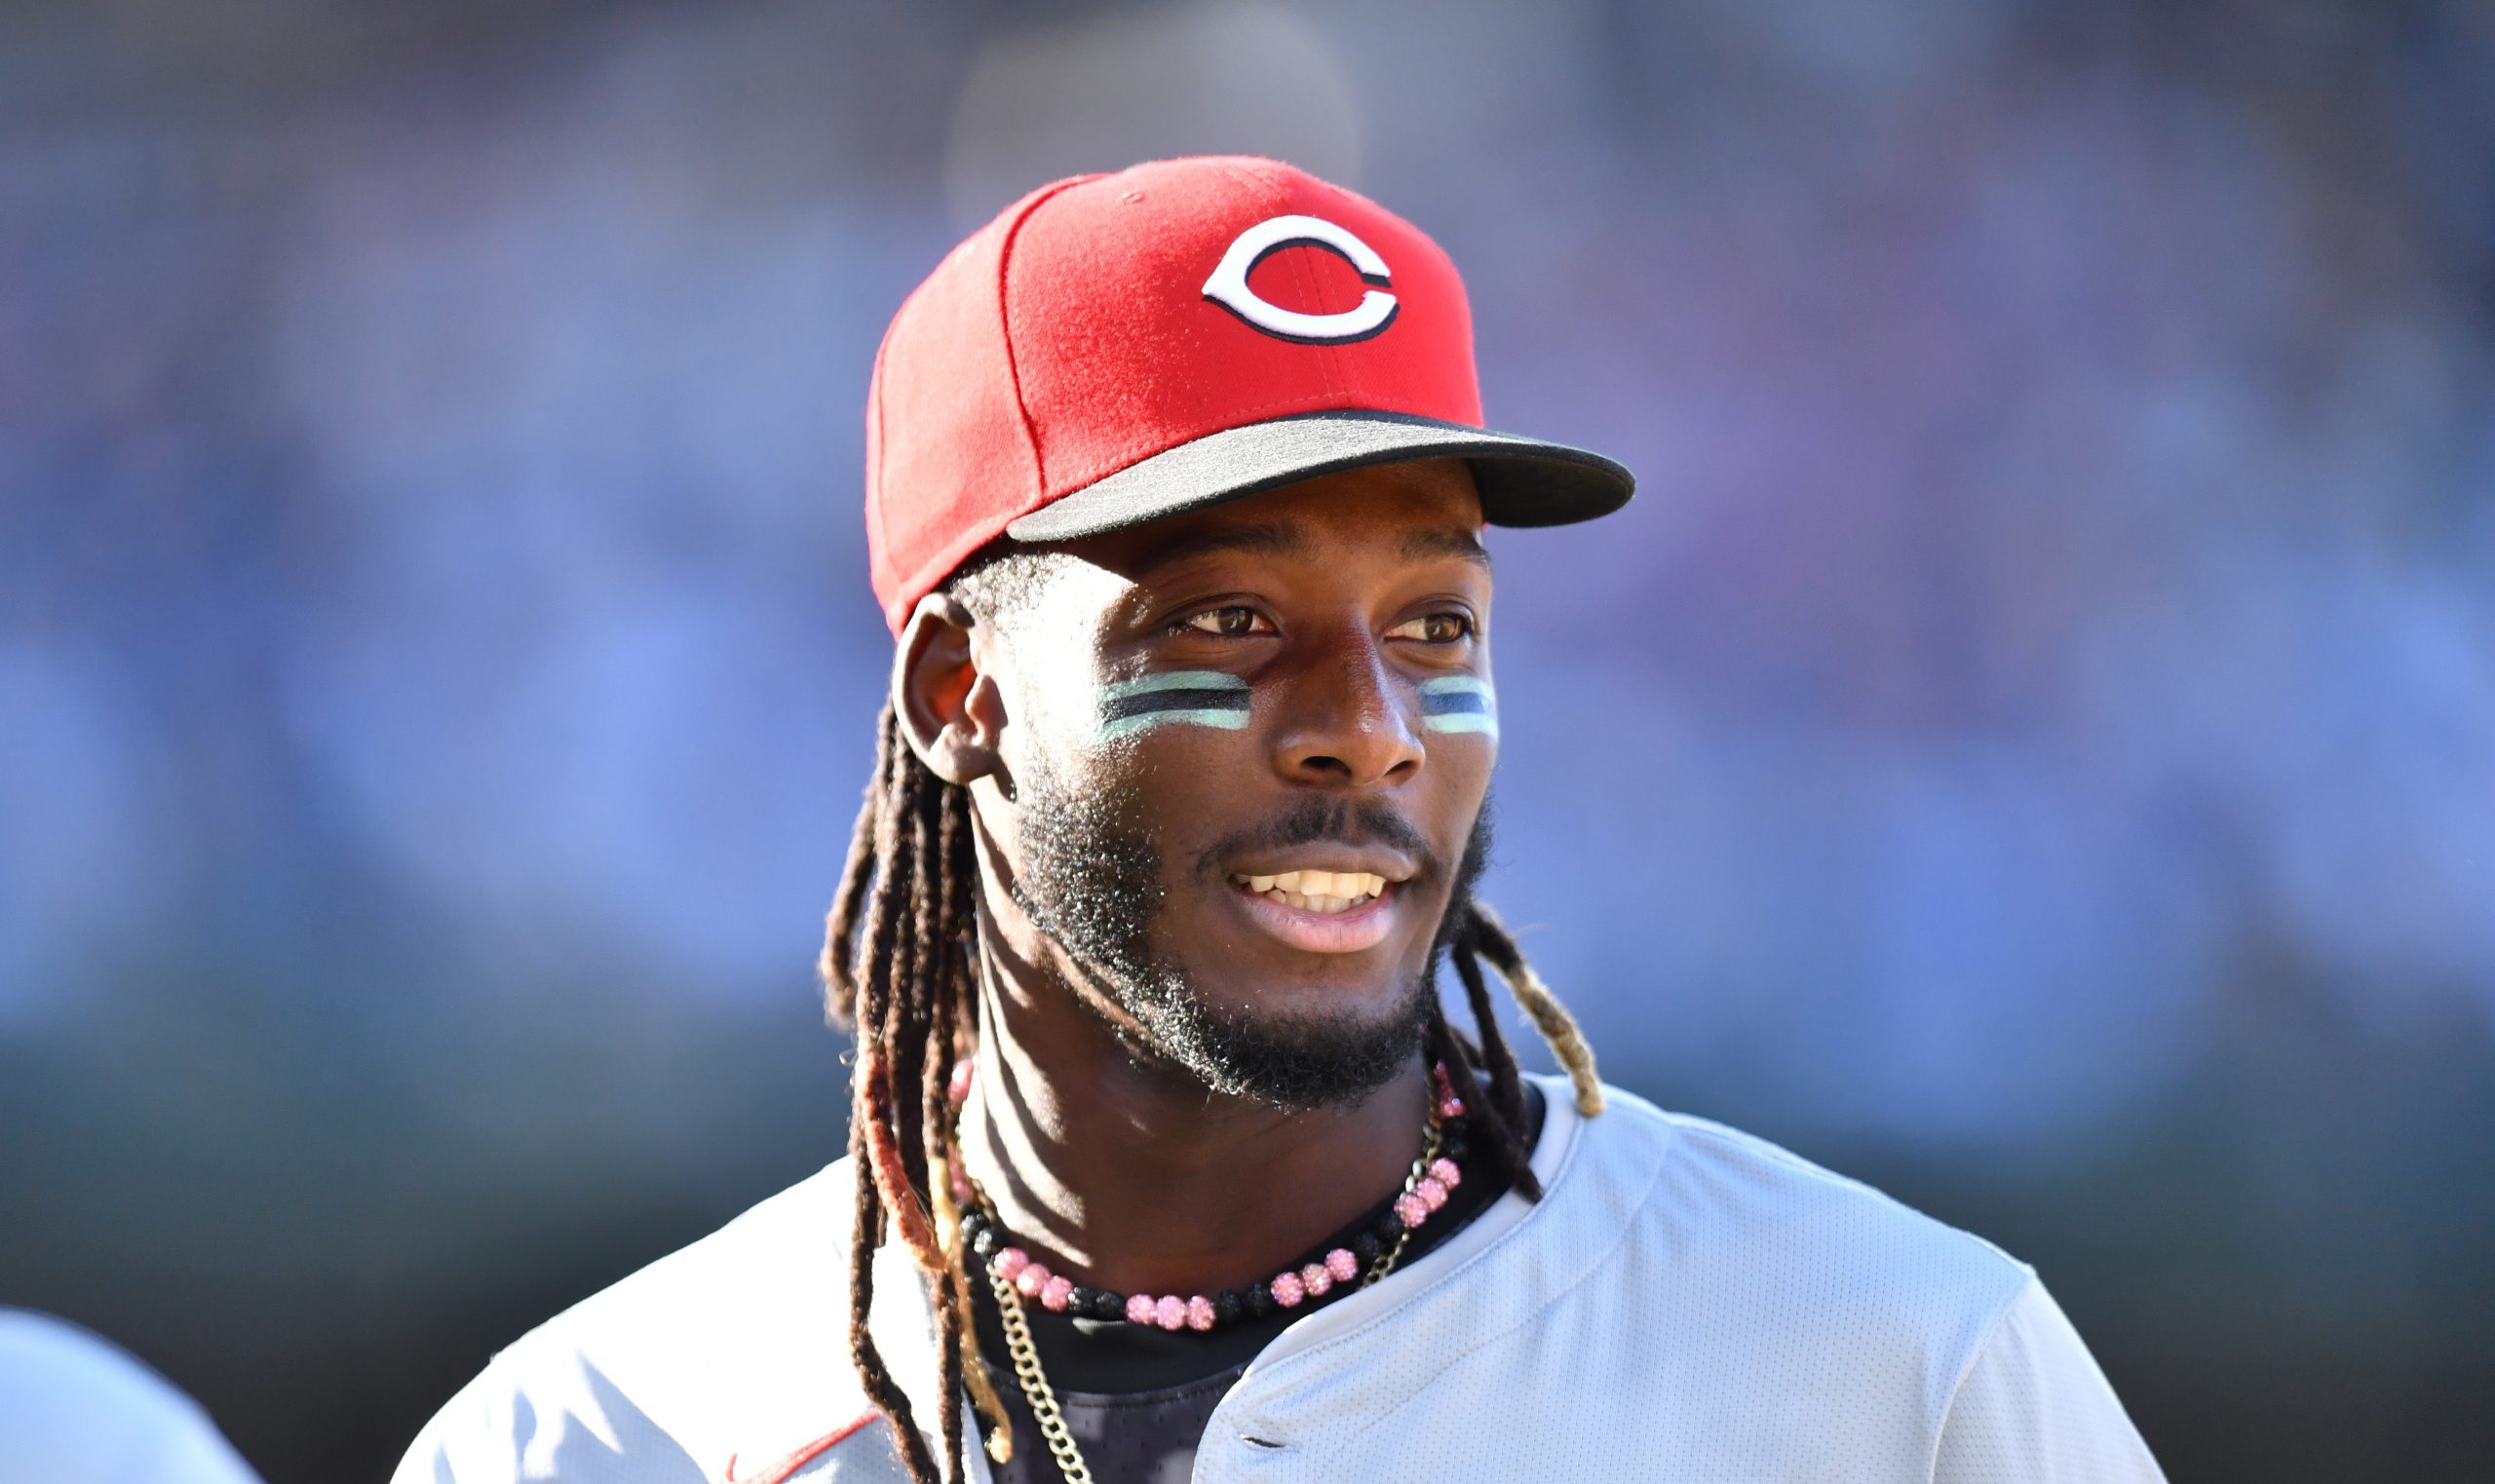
{"x": 1434, "y": 628}
{"x": 1236, "y": 622}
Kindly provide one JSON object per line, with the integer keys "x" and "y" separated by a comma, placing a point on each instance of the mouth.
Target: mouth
{"x": 1320, "y": 911}
{"x": 1324, "y": 891}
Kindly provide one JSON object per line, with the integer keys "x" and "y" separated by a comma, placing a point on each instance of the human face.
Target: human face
{"x": 1286, "y": 684}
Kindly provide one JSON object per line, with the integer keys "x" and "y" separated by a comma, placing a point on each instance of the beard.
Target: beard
{"x": 1093, "y": 884}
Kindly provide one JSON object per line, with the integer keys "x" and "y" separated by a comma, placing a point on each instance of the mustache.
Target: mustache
{"x": 1341, "y": 821}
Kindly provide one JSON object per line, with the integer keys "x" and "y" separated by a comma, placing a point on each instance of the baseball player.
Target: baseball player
{"x": 1165, "y": 1161}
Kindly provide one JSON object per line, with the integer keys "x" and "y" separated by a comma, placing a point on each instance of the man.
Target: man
{"x": 1166, "y": 1161}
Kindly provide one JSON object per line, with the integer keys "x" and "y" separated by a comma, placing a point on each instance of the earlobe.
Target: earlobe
{"x": 947, "y": 706}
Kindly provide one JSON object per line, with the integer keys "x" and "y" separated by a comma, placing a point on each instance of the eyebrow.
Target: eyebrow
{"x": 1263, "y": 540}
{"x": 1421, "y": 545}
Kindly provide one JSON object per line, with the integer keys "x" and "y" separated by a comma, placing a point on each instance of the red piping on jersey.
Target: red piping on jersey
{"x": 778, "y": 1472}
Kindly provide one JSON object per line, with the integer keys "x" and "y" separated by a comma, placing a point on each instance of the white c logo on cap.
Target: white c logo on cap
{"x": 1228, "y": 286}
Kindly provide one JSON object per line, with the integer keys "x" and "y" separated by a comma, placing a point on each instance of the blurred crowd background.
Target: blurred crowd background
{"x": 2031, "y": 744}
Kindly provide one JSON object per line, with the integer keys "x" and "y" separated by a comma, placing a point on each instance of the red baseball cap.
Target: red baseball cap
{"x": 1117, "y": 348}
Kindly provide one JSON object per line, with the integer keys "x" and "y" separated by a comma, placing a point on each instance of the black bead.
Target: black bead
{"x": 1227, "y": 1305}
{"x": 984, "y": 1241}
{"x": 1108, "y": 1306}
{"x": 1389, "y": 1226}
{"x": 1079, "y": 1302}
{"x": 1454, "y": 1147}
{"x": 1260, "y": 1302}
{"x": 1366, "y": 1247}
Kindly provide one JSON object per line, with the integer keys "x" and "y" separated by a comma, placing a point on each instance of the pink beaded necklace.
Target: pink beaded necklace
{"x": 1373, "y": 1245}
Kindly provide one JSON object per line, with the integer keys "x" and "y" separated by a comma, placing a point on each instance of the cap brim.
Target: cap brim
{"x": 1521, "y": 480}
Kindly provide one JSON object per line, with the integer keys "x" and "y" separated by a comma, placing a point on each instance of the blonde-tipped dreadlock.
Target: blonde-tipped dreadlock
{"x": 896, "y": 970}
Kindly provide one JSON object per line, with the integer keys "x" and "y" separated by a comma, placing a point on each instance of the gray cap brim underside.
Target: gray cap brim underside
{"x": 1522, "y": 481}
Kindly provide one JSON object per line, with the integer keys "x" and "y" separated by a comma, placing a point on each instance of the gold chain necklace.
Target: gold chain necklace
{"x": 1025, "y": 1355}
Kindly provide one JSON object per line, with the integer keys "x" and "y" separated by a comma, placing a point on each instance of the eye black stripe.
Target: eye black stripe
{"x": 1453, "y": 704}
{"x": 1145, "y": 703}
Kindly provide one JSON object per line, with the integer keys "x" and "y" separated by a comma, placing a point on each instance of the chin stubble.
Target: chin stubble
{"x": 1092, "y": 882}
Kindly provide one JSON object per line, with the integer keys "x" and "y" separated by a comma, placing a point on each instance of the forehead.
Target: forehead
{"x": 1385, "y": 515}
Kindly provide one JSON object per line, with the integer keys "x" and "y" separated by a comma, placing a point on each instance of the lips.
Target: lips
{"x": 1351, "y": 928}
{"x": 1344, "y": 906}
{"x": 1324, "y": 891}
{"x": 1327, "y": 878}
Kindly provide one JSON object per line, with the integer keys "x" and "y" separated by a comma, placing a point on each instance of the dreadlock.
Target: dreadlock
{"x": 896, "y": 968}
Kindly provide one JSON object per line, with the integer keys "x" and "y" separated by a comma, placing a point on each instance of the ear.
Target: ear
{"x": 949, "y": 709}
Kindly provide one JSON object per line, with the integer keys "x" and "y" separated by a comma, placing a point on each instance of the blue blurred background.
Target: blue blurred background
{"x": 2031, "y": 744}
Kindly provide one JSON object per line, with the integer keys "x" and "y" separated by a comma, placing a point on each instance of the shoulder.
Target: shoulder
{"x": 1758, "y": 1296}
{"x": 1736, "y": 1248}
{"x": 1726, "y": 1198}
{"x": 708, "y": 1364}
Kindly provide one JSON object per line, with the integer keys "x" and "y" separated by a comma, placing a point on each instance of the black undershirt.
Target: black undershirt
{"x": 1137, "y": 1396}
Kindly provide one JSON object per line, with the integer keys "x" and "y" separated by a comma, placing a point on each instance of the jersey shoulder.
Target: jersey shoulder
{"x": 1744, "y": 1215}
{"x": 74, "y": 1405}
{"x": 725, "y": 1360}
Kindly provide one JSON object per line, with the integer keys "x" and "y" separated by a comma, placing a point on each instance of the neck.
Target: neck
{"x": 1134, "y": 1175}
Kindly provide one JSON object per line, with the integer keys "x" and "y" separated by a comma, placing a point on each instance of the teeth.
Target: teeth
{"x": 1319, "y": 890}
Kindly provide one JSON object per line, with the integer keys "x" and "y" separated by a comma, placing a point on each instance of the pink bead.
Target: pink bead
{"x": 1412, "y": 1210}
{"x": 1445, "y": 1174}
{"x": 1054, "y": 1292}
{"x": 957, "y": 1086}
{"x": 1432, "y": 1195}
{"x": 1316, "y": 1280}
{"x": 1200, "y": 1314}
{"x": 959, "y": 1179}
{"x": 1451, "y": 1107}
{"x": 1286, "y": 1290}
{"x": 1032, "y": 1279}
{"x": 1170, "y": 1312}
{"x": 1342, "y": 1266}
{"x": 1010, "y": 1263}
{"x": 1140, "y": 1309}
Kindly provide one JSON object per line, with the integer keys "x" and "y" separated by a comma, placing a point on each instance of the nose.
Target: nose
{"x": 1344, "y": 722}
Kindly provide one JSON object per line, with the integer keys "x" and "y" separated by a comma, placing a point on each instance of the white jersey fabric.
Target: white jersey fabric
{"x": 76, "y": 1409}
{"x": 1686, "y": 1302}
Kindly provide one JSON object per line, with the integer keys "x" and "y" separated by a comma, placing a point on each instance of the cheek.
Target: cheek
{"x": 1190, "y": 780}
